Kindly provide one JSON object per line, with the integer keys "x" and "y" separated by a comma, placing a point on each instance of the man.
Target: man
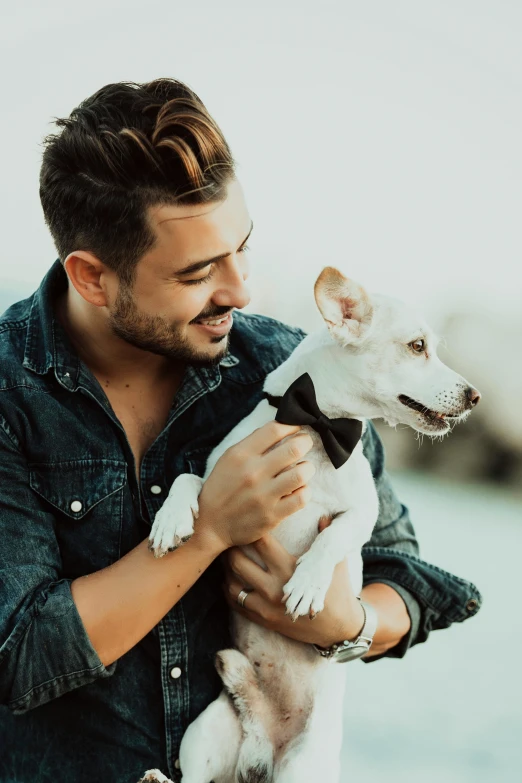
{"x": 125, "y": 369}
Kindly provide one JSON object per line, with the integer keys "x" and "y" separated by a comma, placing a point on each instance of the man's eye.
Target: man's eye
{"x": 201, "y": 279}
{"x": 207, "y": 277}
{"x": 419, "y": 346}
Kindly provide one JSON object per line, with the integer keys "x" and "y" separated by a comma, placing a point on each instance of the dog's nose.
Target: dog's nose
{"x": 473, "y": 396}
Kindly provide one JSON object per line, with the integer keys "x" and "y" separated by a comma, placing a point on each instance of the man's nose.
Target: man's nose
{"x": 473, "y": 396}
{"x": 233, "y": 291}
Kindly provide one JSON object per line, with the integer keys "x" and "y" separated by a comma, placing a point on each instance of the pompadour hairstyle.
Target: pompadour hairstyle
{"x": 126, "y": 148}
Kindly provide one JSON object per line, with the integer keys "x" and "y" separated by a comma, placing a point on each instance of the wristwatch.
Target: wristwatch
{"x": 342, "y": 652}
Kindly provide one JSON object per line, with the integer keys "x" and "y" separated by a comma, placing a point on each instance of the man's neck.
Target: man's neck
{"x": 105, "y": 354}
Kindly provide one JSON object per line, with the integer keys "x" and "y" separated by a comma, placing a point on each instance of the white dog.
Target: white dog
{"x": 281, "y": 721}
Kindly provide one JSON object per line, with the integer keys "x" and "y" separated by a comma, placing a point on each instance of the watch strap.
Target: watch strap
{"x": 346, "y": 650}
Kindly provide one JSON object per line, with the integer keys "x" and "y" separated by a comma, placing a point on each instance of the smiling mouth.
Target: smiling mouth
{"x": 438, "y": 420}
{"x": 214, "y": 321}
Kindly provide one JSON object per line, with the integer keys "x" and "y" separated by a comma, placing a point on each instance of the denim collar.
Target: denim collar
{"x": 47, "y": 345}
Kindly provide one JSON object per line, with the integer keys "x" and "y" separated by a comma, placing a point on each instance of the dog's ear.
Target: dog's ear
{"x": 344, "y": 305}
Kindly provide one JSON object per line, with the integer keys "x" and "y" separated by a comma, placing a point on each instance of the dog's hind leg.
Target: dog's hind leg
{"x": 313, "y": 755}
{"x": 298, "y": 771}
{"x": 255, "y": 762}
{"x": 210, "y": 746}
{"x": 307, "y": 760}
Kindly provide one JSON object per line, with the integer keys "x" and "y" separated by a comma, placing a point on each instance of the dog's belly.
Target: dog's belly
{"x": 298, "y": 683}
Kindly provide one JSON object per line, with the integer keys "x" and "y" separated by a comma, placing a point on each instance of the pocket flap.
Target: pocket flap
{"x": 76, "y": 486}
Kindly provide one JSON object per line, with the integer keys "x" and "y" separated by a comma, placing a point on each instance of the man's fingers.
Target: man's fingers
{"x": 294, "y": 502}
{"x": 249, "y": 573}
{"x": 244, "y": 573}
{"x": 270, "y": 549}
{"x": 276, "y": 557}
{"x": 255, "y": 605}
{"x": 269, "y": 435}
{"x": 288, "y": 453}
{"x": 294, "y": 477}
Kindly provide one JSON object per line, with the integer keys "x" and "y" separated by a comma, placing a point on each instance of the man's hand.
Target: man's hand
{"x": 341, "y": 618}
{"x": 255, "y": 485}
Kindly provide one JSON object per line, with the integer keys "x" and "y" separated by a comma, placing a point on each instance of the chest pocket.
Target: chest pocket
{"x": 86, "y": 499}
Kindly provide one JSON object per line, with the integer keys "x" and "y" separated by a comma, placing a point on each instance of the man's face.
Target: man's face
{"x": 174, "y": 291}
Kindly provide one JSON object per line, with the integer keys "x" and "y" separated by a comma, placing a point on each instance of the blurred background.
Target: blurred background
{"x": 383, "y": 138}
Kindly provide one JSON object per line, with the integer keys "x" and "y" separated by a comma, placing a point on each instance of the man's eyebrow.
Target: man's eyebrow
{"x": 195, "y": 266}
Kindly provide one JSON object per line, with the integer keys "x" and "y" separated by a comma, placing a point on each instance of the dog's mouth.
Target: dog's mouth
{"x": 434, "y": 419}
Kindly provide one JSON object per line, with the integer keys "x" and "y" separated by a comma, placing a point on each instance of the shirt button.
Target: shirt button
{"x": 76, "y": 506}
{"x": 175, "y": 672}
{"x": 177, "y": 764}
{"x": 155, "y": 489}
{"x": 472, "y": 604}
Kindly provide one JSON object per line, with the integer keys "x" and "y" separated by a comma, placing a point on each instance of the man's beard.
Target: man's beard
{"x": 153, "y": 334}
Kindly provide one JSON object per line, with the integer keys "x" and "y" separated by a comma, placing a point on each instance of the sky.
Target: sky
{"x": 382, "y": 138}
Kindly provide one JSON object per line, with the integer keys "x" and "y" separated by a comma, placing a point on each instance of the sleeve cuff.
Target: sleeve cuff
{"x": 54, "y": 654}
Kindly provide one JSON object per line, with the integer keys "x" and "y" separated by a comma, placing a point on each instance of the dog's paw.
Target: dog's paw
{"x": 174, "y": 522}
{"x": 305, "y": 592}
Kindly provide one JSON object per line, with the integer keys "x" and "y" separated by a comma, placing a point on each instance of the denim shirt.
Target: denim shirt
{"x": 71, "y": 504}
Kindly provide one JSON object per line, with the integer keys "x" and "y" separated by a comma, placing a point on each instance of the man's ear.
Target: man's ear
{"x": 86, "y": 275}
{"x": 344, "y": 305}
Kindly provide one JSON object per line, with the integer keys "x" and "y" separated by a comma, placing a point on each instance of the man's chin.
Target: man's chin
{"x": 212, "y": 355}
{"x": 201, "y": 361}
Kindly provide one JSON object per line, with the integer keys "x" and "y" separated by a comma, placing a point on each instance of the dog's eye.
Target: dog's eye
{"x": 419, "y": 346}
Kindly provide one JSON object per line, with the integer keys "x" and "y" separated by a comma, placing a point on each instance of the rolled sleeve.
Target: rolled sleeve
{"x": 434, "y": 598}
{"x": 393, "y": 530}
{"x": 44, "y": 648}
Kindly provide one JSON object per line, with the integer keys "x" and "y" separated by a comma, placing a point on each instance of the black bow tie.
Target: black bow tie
{"x": 298, "y": 405}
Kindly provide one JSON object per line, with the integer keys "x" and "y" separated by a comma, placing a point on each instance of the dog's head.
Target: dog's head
{"x": 390, "y": 358}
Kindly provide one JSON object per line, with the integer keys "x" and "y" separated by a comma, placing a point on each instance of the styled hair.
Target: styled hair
{"x": 126, "y": 148}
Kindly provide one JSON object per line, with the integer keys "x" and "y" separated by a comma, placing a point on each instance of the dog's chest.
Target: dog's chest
{"x": 332, "y": 488}
{"x": 332, "y": 493}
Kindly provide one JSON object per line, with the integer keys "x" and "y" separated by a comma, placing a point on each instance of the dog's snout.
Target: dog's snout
{"x": 473, "y": 396}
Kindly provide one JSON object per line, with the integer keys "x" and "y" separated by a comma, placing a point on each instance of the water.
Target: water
{"x": 450, "y": 710}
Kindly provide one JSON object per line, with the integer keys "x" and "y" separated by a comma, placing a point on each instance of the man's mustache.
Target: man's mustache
{"x": 216, "y": 313}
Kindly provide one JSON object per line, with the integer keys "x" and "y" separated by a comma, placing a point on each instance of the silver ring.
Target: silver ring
{"x": 243, "y": 595}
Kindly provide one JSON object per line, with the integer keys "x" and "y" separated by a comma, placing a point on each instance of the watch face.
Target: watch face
{"x": 351, "y": 653}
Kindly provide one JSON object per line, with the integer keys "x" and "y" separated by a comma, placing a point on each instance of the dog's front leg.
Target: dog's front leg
{"x": 306, "y": 590}
{"x": 174, "y": 522}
